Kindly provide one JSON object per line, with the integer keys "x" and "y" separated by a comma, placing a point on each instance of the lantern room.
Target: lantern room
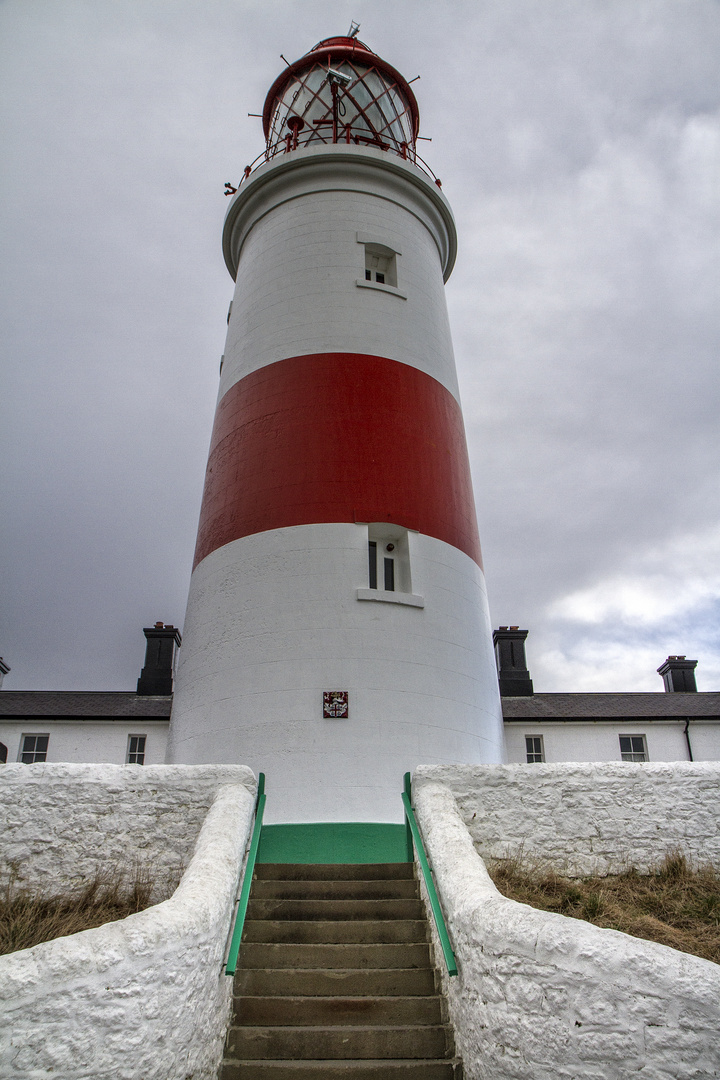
{"x": 341, "y": 92}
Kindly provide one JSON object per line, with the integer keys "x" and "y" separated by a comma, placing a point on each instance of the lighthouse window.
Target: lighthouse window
{"x": 380, "y": 265}
{"x": 389, "y": 563}
{"x": 389, "y": 567}
{"x": 372, "y": 564}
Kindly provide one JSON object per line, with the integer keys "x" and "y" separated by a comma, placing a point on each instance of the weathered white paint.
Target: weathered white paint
{"x": 144, "y": 998}
{"x": 598, "y": 740}
{"x": 589, "y": 817}
{"x": 90, "y": 741}
{"x": 540, "y": 996}
{"x": 292, "y": 230}
{"x": 87, "y": 740}
{"x": 274, "y": 619}
{"x": 63, "y": 823}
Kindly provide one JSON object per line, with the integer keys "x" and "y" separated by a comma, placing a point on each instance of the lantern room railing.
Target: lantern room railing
{"x": 267, "y": 155}
{"x": 345, "y": 101}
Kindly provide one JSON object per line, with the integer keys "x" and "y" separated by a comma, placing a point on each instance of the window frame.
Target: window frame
{"x": 386, "y": 280}
{"x": 633, "y": 755}
{"x": 392, "y": 584}
{"x": 534, "y": 756}
{"x": 137, "y": 752}
{"x": 23, "y": 751}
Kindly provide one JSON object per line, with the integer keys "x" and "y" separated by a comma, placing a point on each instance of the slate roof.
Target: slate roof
{"x": 655, "y": 706}
{"x": 83, "y": 704}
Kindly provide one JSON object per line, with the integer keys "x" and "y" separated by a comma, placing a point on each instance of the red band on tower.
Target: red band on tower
{"x": 337, "y": 437}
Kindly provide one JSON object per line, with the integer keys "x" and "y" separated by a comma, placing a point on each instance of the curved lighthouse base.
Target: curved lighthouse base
{"x": 278, "y": 618}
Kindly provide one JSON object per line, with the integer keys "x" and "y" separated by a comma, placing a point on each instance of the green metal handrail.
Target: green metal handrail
{"x": 247, "y": 880}
{"x": 429, "y": 883}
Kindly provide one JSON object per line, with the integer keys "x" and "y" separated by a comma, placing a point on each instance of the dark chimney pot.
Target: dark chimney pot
{"x": 513, "y": 675}
{"x": 678, "y": 674}
{"x": 157, "y": 675}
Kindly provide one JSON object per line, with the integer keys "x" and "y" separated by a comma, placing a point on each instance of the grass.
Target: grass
{"x": 28, "y": 917}
{"x": 674, "y": 903}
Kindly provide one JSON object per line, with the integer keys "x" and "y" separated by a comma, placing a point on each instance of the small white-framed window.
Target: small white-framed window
{"x": 380, "y": 270}
{"x": 380, "y": 265}
{"x": 34, "y": 748}
{"x": 388, "y": 567}
{"x": 136, "y": 750}
{"x": 388, "y": 559}
{"x": 3, "y": 753}
{"x": 633, "y": 748}
{"x": 534, "y": 749}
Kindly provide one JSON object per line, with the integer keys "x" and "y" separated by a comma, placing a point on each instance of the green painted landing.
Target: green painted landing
{"x": 335, "y": 842}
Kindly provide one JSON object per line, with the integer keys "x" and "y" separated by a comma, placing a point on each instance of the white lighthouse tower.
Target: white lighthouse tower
{"x": 337, "y": 629}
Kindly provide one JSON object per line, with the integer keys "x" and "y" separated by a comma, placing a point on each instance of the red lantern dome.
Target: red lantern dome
{"x": 341, "y": 92}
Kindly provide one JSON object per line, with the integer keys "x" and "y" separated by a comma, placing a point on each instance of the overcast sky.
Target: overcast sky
{"x": 579, "y": 144}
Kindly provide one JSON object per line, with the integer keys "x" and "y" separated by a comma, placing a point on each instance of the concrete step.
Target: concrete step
{"x": 439, "y": 1069}
{"x": 405, "y": 889}
{"x": 274, "y": 1011}
{"x": 358, "y": 1041}
{"x": 333, "y": 931}
{"x": 335, "y": 979}
{"x": 333, "y": 871}
{"x": 340, "y": 910}
{"x": 345, "y": 982}
{"x": 326, "y": 956}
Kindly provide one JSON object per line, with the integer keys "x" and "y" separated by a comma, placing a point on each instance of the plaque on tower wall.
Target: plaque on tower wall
{"x": 335, "y": 704}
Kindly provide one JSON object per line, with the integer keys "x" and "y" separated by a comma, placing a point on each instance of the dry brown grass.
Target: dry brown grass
{"x": 674, "y": 903}
{"x": 28, "y": 917}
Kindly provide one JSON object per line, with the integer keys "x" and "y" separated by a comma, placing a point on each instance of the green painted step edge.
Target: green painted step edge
{"x": 334, "y": 842}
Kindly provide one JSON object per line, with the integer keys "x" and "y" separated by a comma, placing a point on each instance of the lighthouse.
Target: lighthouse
{"x": 337, "y": 630}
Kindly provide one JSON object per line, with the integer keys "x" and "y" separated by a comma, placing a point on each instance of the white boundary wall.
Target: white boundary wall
{"x": 62, "y": 823}
{"x": 589, "y": 817}
{"x": 144, "y": 998}
{"x": 543, "y": 997}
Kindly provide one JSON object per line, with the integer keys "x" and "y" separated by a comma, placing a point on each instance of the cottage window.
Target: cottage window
{"x": 633, "y": 748}
{"x": 34, "y": 748}
{"x": 136, "y": 750}
{"x": 534, "y": 750}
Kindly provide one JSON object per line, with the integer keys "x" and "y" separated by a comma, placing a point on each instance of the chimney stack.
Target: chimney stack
{"x": 513, "y": 675}
{"x": 4, "y": 668}
{"x": 157, "y": 675}
{"x": 678, "y": 674}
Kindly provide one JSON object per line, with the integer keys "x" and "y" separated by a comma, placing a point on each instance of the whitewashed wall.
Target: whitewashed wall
{"x": 598, "y": 740}
{"x": 144, "y": 998}
{"x": 589, "y": 817}
{"x": 541, "y": 997}
{"x": 61, "y": 823}
{"x": 88, "y": 741}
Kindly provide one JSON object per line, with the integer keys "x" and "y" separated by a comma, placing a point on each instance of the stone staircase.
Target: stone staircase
{"x": 335, "y": 980}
